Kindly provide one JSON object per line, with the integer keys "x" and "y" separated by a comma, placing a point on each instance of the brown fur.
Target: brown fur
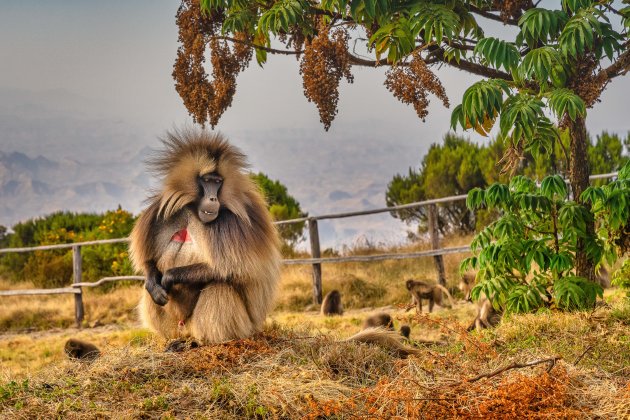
{"x": 466, "y": 284}
{"x": 379, "y": 320}
{"x": 331, "y": 305}
{"x": 603, "y": 277}
{"x": 487, "y": 316}
{"x": 240, "y": 247}
{"x": 387, "y": 339}
{"x": 432, "y": 292}
{"x": 405, "y": 331}
{"x": 81, "y": 350}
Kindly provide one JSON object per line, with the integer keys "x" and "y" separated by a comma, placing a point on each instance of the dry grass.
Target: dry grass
{"x": 298, "y": 369}
{"x": 363, "y": 285}
{"x": 43, "y": 312}
{"x": 368, "y": 284}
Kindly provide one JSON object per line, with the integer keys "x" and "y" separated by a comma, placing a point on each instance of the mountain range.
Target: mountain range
{"x": 55, "y": 157}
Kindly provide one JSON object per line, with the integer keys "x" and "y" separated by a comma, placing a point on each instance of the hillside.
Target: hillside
{"x": 299, "y": 367}
{"x": 302, "y": 372}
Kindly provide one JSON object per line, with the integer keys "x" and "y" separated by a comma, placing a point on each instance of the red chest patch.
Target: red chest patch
{"x": 182, "y": 236}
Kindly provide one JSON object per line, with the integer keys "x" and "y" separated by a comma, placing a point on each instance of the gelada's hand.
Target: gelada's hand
{"x": 157, "y": 292}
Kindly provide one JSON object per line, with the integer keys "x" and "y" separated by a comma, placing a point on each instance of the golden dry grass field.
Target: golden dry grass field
{"x": 300, "y": 367}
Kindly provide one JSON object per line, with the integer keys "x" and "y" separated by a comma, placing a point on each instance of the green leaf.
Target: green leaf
{"x": 481, "y": 104}
{"x": 575, "y": 5}
{"x": 281, "y": 16}
{"x": 541, "y": 25}
{"x": 395, "y": 38}
{"x": 522, "y": 184}
{"x": 578, "y": 35}
{"x": 525, "y": 298}
{"x": 522, "y": 113}
{"x": 508, "y": 226}
{"x": 564, "y": 102}
{"x": 435, "y": 21}
{"x": 467, "y": 264}
{"x": 574, "y": 217}
{"x": 370, "y": 7}
{"x": 543, "y": 64}
{"x": 475, "y": 198}
{"x": 574, "y": 292}
{"x": 593, "y": 195}
{"x": 561, "y": 262}
{"x": 553, "y": 187}
{"x": 498, "y": 53}
{"x": 624, "y": 172}
{"x": 497, "y": 194}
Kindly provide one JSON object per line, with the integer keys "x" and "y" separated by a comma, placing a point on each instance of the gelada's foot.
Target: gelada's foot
{"x": 180, "y": 345}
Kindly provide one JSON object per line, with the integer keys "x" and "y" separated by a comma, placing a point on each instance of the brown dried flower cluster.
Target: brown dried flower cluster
{"x": 324, "y": 63}
{"x": 584, "y": 82}
{"x": 511, "y": 9}
{"x": 411, "y": 85}
{"x": 512, "y": 158}
{"x": 206, "y": 100}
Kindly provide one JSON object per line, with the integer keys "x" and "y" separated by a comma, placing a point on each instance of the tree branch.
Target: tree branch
{"x": 259, "y": 47}
{"x": 358, "y": 61}
{"x": 618, "y": 68}
{"x": 469, "y": 66}
{"x": 552, "y": 362}
{"x": 438, "y": 54}
{"x": 612, "y": 9}
{"x": 491, "y": 16}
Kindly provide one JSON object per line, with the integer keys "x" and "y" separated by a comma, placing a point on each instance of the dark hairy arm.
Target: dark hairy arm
{"x": 153, "y": 283}
{"x": 196, "y": 275}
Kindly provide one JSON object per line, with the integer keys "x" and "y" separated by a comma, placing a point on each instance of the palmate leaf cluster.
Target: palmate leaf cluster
{"x": 541, "y": 61}
{"x": 525, "y": 259}
{"x": 456, "y": 165}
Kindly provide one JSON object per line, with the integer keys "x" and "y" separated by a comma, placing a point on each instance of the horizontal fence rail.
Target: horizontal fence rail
{"x": 59, "y": 291}
{"x": 316, "y": 260}
{"x": 379, "y": 257}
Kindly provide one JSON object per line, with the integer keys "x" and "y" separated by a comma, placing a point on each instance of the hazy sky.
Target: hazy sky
{"x": 117, "y": 56}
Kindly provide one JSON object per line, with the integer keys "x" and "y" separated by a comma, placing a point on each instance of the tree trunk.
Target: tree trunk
{"x": 578, "y": 177}
{"x": 435, "y": 244}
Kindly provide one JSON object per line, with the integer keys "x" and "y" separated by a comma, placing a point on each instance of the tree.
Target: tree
{"x": 451, "y": 168}
{"x": 282, "y": 206}
{"x": 607, "y": 153}
{"x": 457, "y": 165}
{"x": 525, "y": 259}
{"x": 3, "y": 236}
{"x": 559, "y": 60}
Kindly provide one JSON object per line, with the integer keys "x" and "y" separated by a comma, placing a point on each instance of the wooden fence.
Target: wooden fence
{"x": 316, "y": 259}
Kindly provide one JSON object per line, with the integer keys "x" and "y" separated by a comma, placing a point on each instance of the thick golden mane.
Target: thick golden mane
{"x": 189, "y": 153}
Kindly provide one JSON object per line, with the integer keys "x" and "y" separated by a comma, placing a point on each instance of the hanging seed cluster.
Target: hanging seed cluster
{"x": 584, "y": 83}
{"x": 511, "y": 8}
{"x": 206, "y": 99}
{"x": 324, "y": 63}
{"x": 412, "y": 84}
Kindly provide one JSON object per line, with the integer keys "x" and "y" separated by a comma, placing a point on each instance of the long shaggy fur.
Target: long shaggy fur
{"x": 388, "y": 339}
{"x": 380, "y": 319}
{"x": 332, "y": 305}
{"x": 447, "y": 293}
{"x": 81, "y": 350}
{"x": 241, "y": 244}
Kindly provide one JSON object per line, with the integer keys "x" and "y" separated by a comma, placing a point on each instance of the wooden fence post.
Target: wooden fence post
{"x": 76, "y": 271}
{"x": 435, "y": 243}
{"x": 313, "y": 234}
